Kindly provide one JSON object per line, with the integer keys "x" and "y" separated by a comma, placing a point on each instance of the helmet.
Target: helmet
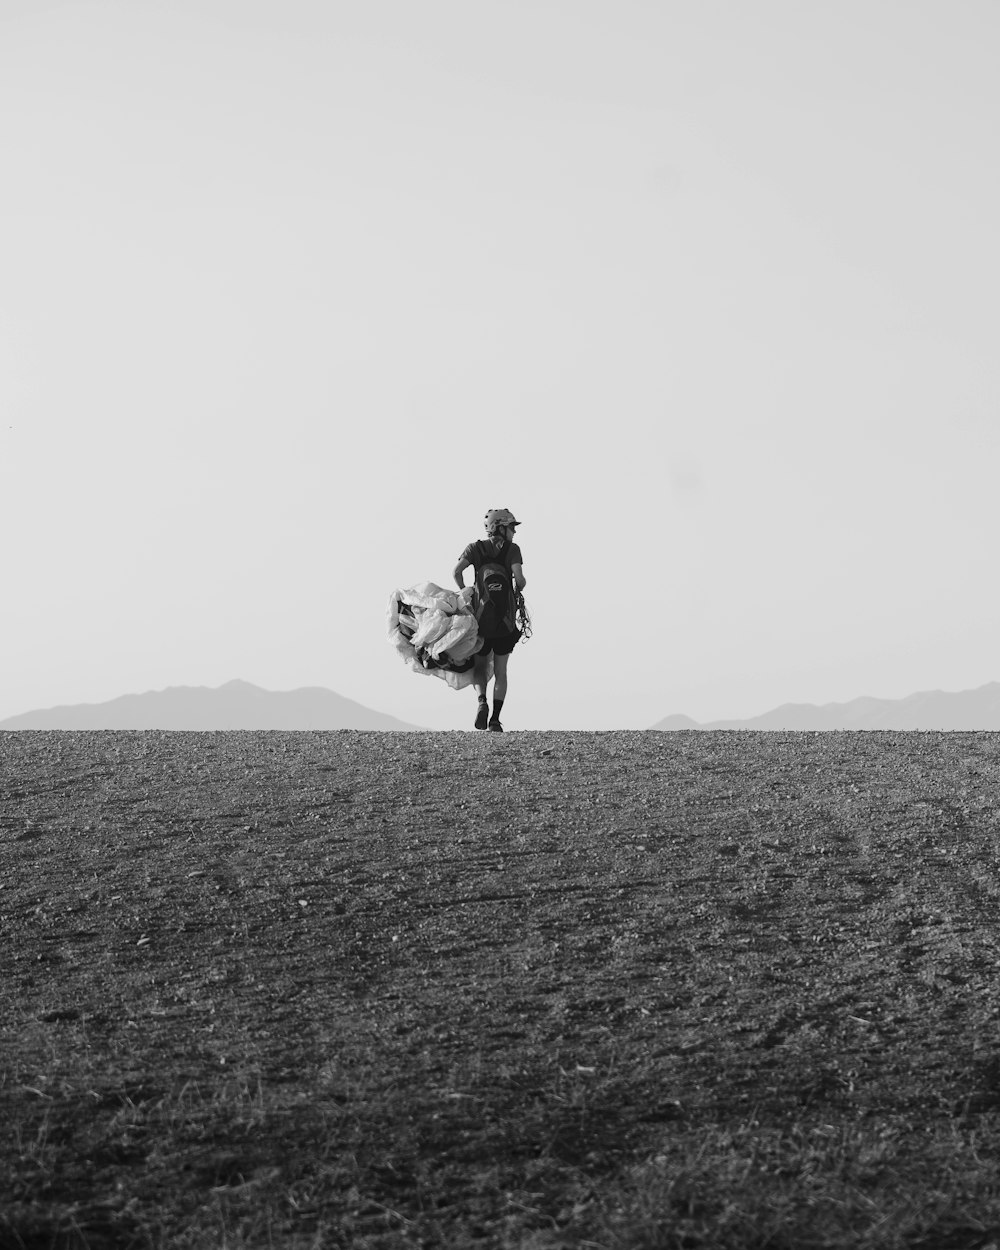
{"x": 500, "y": 518}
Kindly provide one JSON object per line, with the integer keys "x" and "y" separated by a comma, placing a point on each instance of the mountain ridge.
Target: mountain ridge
{"x": 236, "y": 704}
{"x": 927, "y": 710}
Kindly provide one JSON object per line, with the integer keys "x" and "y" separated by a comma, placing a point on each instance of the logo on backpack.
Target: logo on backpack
{"x": 497, "y": 606}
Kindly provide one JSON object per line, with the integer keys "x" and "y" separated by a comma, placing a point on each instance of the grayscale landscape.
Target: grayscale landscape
{"x": 602, "y": 990}
{"x": 294, "y": 294}
{"x": 234, "y": 705}
{"x": 929, "y": 710}
{"x": 242, "y": 705}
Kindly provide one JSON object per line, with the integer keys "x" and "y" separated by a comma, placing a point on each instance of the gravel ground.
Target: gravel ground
{"x": 491, "y": 968}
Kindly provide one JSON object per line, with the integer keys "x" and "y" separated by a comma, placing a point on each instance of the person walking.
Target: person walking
{"x": 499, "y": 579}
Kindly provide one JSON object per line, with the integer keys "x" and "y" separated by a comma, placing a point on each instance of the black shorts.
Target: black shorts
{"x": 503, "y": 645}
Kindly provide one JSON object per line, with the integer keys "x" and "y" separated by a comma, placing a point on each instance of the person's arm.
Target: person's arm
{"x": 459, "y": 573}
{"x": 520, "y": 581}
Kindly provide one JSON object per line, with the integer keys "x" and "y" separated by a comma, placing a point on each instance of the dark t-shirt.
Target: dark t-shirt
{"x": 483, "y": 551}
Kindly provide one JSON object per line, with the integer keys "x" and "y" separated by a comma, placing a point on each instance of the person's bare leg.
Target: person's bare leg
{"x": 480, "y": 671}
{"x": 500, "y": 676}
{"x": 499, "y": 685}
{"x": 480, "y": 676}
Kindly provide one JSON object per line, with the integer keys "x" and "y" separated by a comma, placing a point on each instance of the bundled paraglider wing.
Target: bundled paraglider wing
{"x": 435, "y": 631}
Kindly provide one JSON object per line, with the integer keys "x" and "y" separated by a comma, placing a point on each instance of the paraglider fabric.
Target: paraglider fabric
{"x": 435, "y": 632}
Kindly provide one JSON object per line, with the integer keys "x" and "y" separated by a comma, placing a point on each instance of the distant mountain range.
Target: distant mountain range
{"x": 236, "y": 705}
{"x": 929, "y": 710}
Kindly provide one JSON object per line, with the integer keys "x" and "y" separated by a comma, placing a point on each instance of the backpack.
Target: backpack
{"x": 496, "y": 602}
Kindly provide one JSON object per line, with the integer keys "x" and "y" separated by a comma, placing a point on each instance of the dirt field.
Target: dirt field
{"x": 452, "y": 989}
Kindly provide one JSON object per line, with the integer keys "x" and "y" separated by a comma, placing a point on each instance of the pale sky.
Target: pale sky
{"x": 292, "y": 291}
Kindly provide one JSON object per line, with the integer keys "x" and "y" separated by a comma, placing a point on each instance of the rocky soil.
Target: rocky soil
{"x": 368, "y": 989}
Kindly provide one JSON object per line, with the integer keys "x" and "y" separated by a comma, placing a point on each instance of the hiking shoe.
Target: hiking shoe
{"x": 482, "y": 716}
{"x": 495, "y": 727}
